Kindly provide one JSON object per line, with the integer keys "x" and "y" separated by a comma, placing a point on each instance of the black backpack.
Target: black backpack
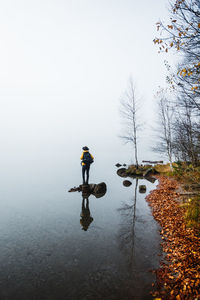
{"x": 87, "y": 159}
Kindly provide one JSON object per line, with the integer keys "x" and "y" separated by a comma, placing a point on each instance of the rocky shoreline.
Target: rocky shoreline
{"x": 178, "y": 276}
{"x": 142, "y": 171}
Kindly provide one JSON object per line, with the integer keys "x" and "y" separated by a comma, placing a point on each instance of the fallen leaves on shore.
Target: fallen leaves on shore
{"x": 179, "y": 275}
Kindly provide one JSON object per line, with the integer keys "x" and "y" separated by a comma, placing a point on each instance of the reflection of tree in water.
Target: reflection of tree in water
{"x": 127, "y": 231}
{"x": 105, "y": 283}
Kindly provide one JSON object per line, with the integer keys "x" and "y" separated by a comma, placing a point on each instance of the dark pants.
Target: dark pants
{"x": 85, "y": 169}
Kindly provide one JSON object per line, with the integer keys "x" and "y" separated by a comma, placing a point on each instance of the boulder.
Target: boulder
{"x": 92, "y": 186}
{"x": 142, "y": 188}
{"x": 122, "y": 172}
{"x": 118, "y": 165}
{"x": 127, "y": 183}
{"x": 150, "y": 179}
{"x": 99, "y": 188}
{"x": 85, "y": 189}
{"x": 131, "y": 170}
{"x": 139, "y": 172}
{"x": 162, "y": 168}
{"x": 134, "y": 171}
{"x": 148, "y": 172}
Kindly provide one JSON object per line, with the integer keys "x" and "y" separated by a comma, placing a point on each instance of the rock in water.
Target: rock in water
{"x": 92, "y": 186}
{"x": 142, "y": 189}
{"x": 118, "y": 165}
{"x": 127, "y": 183}
{"x": 85, "y": 188}
{"x": 122, "y": 172}
{"x": 148, "y": 172}
{"x": 75, "y": 189}
{"x": 100, "y": 188}
{"x": 151, "y": 179}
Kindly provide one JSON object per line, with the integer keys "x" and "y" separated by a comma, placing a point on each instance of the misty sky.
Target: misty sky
{"x": 64, "y": 66}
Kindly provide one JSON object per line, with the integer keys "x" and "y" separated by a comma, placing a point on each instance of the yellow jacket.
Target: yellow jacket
{"x": 83, "y": 164}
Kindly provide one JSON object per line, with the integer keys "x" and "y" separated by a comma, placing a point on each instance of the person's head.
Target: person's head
{"x": 85, "y": 148}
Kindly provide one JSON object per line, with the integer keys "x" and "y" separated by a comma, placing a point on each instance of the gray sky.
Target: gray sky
{"x": 64, "y": 66}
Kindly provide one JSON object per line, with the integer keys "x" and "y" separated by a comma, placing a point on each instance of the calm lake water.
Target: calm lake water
{"x": 44, "y": 252}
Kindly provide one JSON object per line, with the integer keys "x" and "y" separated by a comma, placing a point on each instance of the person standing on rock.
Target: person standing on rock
{"x": 86, "y": 160}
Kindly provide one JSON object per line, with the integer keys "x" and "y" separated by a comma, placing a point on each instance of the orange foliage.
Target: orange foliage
{"x": 179, "y": 275}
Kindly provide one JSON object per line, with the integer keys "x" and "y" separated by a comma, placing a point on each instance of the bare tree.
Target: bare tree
{"x": 165, "y": 130}
{"x": 128, "y": 110}
{"x": 186, "y": 135}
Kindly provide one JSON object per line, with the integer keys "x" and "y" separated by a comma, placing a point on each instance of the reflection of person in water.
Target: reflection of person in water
{"x": 86, "y": 219}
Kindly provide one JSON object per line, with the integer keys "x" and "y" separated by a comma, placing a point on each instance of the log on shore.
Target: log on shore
{"x": 153, "y": 162}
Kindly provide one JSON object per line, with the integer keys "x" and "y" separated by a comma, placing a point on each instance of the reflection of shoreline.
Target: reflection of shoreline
{"x": 137, "y": 239}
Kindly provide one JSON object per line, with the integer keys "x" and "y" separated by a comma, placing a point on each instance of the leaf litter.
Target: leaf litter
{"x": 179, "y": 274}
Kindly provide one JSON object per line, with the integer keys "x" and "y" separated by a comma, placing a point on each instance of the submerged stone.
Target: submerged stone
{"x": 118, "y": 165}
{"x": 127, "y": 183}
{"x": 122, "y": 172}
{"x": 142, "y": 188}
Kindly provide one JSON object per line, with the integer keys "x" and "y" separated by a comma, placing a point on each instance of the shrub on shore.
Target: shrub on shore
{"x": 192, "y": 215}
{"x": 189, "y": 176}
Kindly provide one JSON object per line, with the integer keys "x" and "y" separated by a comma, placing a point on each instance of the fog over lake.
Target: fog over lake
{"x": 64, "y": 65}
